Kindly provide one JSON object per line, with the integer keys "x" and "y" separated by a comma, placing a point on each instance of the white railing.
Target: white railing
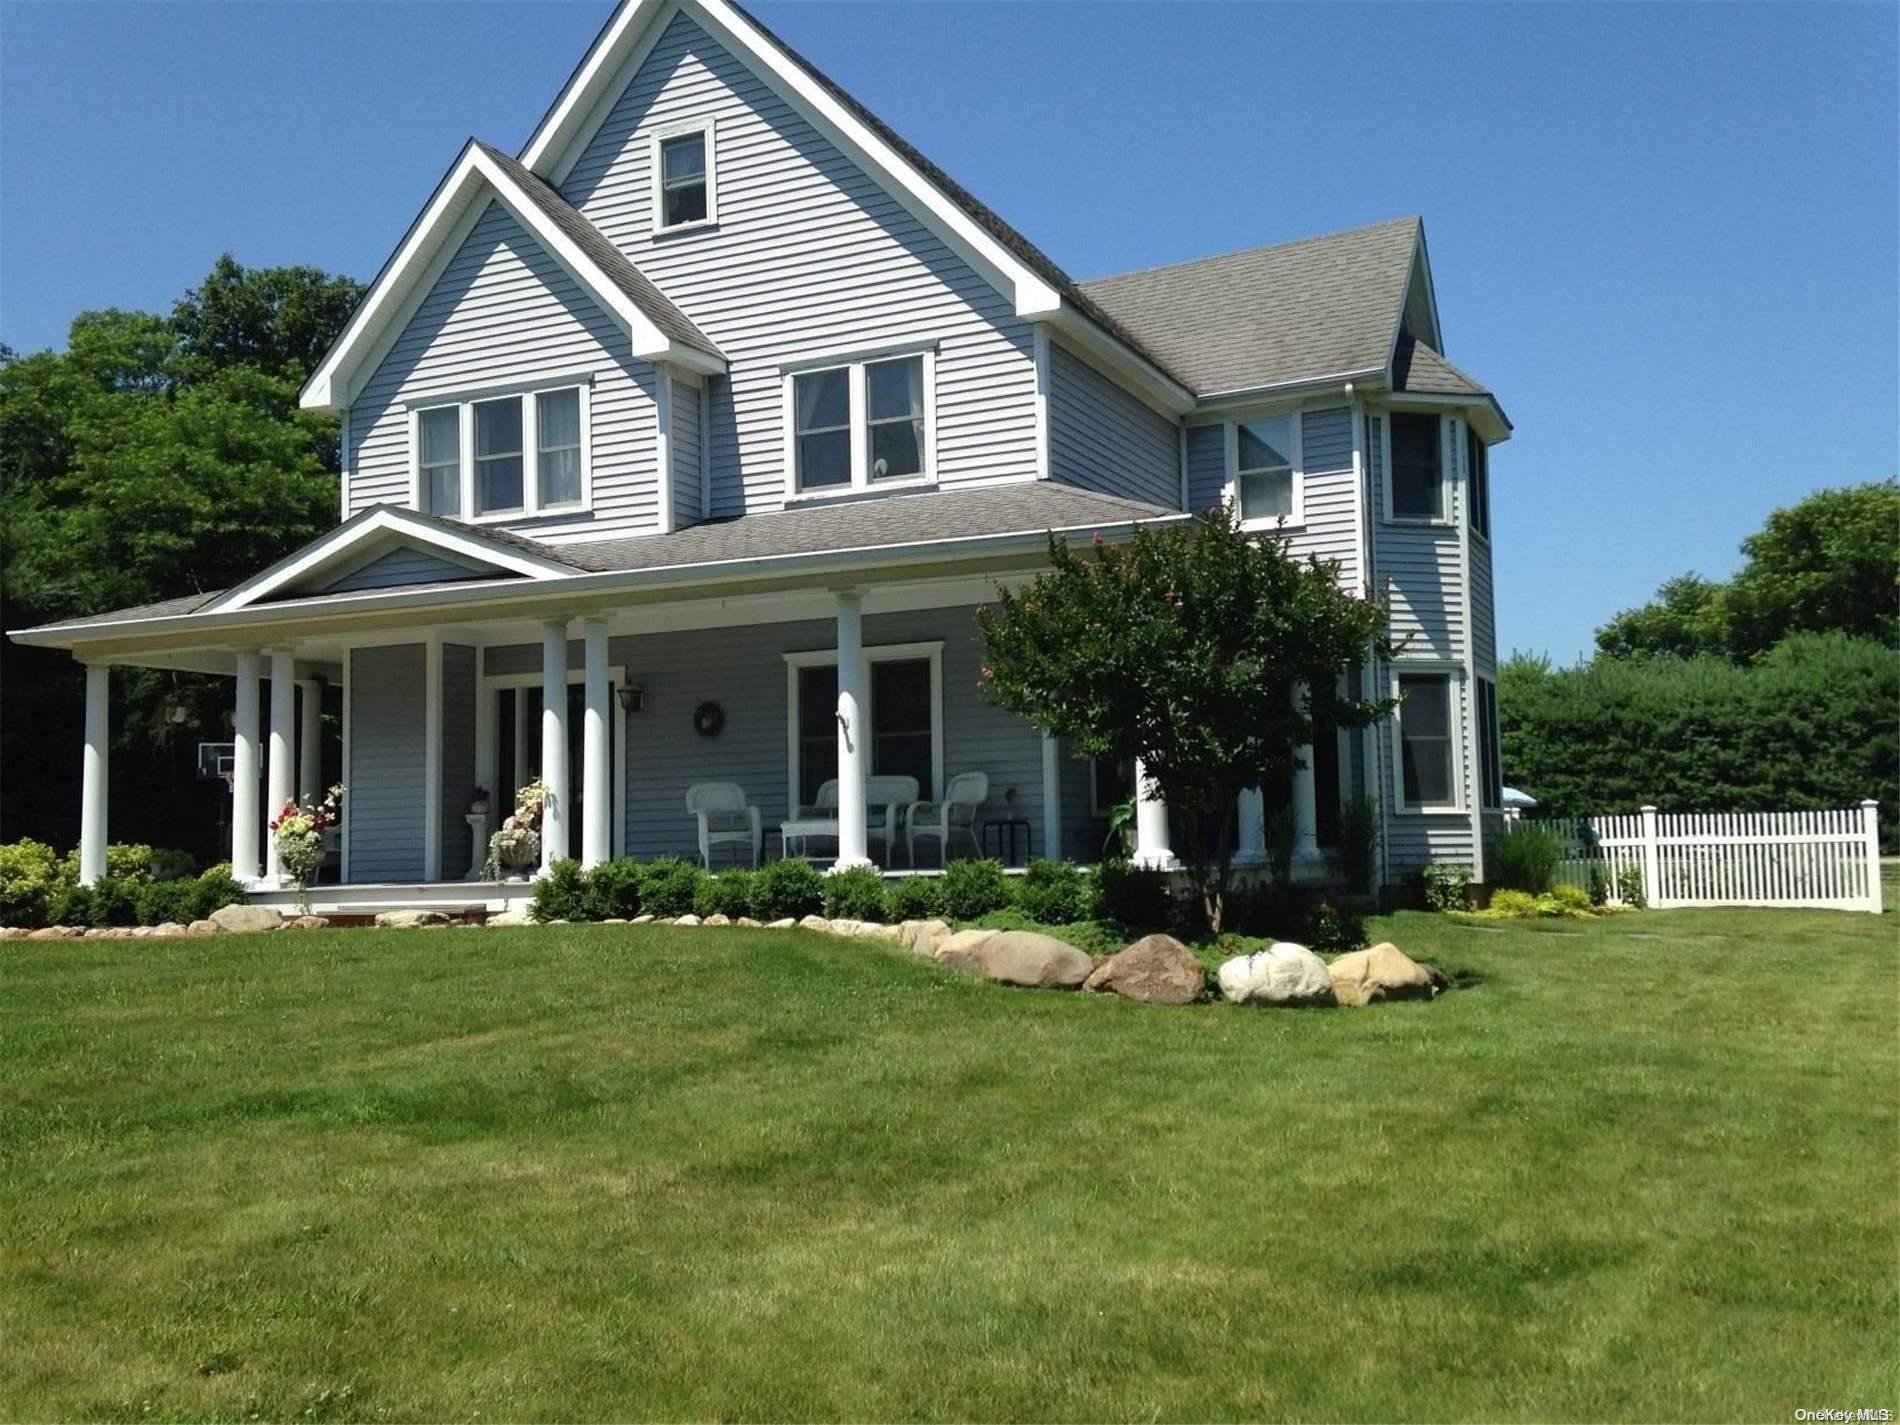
{"x": 1823, "y": 860}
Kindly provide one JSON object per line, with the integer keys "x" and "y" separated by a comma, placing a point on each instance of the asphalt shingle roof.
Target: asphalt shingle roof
{"x": 1419, "y": 369}
{"x": 1295, "y": 311}
{"x": 652, "y": 302}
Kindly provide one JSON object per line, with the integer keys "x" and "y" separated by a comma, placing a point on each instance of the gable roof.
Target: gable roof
{"x": 1273, "y": 316}
{"x": 1419, "y": 369}
{"x": 657, "y": 330}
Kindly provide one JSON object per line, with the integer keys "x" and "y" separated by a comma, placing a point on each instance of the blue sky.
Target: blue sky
{"x": 1665, "y": 235}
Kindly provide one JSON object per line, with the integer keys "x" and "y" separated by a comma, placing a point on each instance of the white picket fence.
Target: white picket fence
{"x": 1824, "y": 860}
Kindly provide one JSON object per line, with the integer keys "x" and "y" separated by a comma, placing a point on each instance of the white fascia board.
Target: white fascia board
{"x": 1141, "y": 376}
{"x": 1482, "y": 411}
{"x": 587, "y": 95}
{"x": 222, "y": 625}
{"x": 447, "y": 215}
{"x": 1347, "y": 383}
{"x": 371, "y": 527}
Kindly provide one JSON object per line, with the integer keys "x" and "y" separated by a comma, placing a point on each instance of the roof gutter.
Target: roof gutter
{"x": 564, "y": 589}
{"x": 1368, "y": 376}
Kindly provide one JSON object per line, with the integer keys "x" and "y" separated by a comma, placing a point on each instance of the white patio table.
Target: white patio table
{"x": 800, "y": 828}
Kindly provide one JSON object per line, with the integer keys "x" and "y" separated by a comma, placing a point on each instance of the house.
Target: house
{"x": 681, "y": 446}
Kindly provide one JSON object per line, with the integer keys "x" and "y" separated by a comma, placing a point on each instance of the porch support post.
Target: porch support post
{"x": 1250, "y": 845}
{"x": 1152, "y": 852}
{"x": 310, "y": 739}
{"x": 92, "y": 774}
{"x": 596, "y": 761}
{"x": 432, "y": 757}
{"x": 1305, "y": 800}
{"x": 278, "y": 765}
{"x": 554, "y": 740}
{"x": 1051, "y": 799}
{"x": 853, "y": 842}
{"x": 244, "y": 771}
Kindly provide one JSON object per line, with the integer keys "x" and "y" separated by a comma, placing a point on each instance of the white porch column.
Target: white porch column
{"x": 1250, "y": 844}
{"x": 278, "y": 766}
{"x": 853, "y": 843}
{"x": 596, "y": 757}
{"x": 1051, "y": 799}
{"x": 554, "y": 740}
{"x": 244, "y": 771}
{"x": 310, "y": 739}
{"x": 1152, "y": 852}
{"x": 92, "y": 774}
{"x": 1305, "y": 808}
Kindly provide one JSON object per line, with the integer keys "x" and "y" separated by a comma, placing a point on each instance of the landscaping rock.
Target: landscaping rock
{"x": 922, "y": 937}
{"x": 410, "y": 919}
{"x": 716, "y": 918}
{"x": 876, "y": 930}
{"x": 168, "y": 930}
{"x": 749, "y": 923}
{"x": 641, "y": 920}
{"x": 785, "y": 924}
{"x": 1284, "y": 974}
{"x": 1156, "y": 969}
{"x": 309, "y": 922}
{"x": 55, "y": 932}
{"x": 1383, "y": 972}
{"x": 140, "y": 932}
{"x": 1034, "y": 961}
{"x": 963, "y": 950}
{"x": 12, "y": 932}
{"x": 845, "y": 925}
{"x": 615, "y": 920}
{"x": 815, "y": 922}
{"x": 204, "y": 927}
{"x": 688, "y": 919}
{"x": 248, "y": 919}
{"x": 517, "y": 915}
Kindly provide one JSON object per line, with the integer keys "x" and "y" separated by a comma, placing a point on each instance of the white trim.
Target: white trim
{"x": 527, "y": 739}
{"x": 705, "y": 450}
{"x": 707, "y": 128}
{"x": 1296, "y": 474}
{"x": 1452, "y": 432}
{"x": 1443, "y": 521}
{"x": 606, "y": 70}
{"x": 663, "y": 448}
{"x": 873, "y": 653}
{"x": 345, "y": 538}
{"x": 1039, "y": 355}
{"x": 1051, "y": 799}
{"x": 458, "y": 196}
{"x": 858, "y": 430}
{"x": 349, "y": 799}
{"x": 432, "y": 756}
{"x": 528, "y": 394}
{"x": 1453, "y": 673}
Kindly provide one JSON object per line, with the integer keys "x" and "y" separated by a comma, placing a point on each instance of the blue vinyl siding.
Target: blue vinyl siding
{"x": 404, "y": 566}
{"x": 384, "y": 801}
{"x": 1102, "y": 438}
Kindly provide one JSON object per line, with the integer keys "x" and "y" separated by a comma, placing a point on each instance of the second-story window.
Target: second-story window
{"x": 491, "y": 456}
{"x": 439, "y": 460}
{"x": 1478, "y": 472}
{"x": 1266, "y": 487}
{"x": 1418, "y": 478}
{"x": 683, "y": 178}
{"x": 558, "y": 447}
{"x": 498, "y": 456}
{"x": 860, "y": 424}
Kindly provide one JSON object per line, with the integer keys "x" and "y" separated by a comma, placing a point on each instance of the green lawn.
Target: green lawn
{"x": 1642, "y": 1168}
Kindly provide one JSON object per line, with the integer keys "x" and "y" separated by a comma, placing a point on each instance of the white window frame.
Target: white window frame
{"x": 707, "y": 127}
{"x": 1295, "y": 419}
{"x": 1475, "y": 480}
{"x": 488, "y": 734}
{"x": 1447, "y": 465}
{"x": 881, "y": 653}
{"x": 1454, "y": 676}
{"x": 854, "y": 363}
{"x": 527, "y": 393}
{"x": 416, "y": 482}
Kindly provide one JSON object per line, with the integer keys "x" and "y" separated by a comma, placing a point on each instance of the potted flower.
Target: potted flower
{"x": 516, "y": 848}
{"x": 298, "y": 829}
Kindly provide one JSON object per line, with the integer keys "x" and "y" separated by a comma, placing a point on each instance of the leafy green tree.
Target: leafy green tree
{"x": 155, "y": 456}
{"x": 1202, "y": 650}
{"x": 1689, "y": 616}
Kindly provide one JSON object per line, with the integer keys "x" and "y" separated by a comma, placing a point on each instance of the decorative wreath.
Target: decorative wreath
{"x": 708, "y": 718}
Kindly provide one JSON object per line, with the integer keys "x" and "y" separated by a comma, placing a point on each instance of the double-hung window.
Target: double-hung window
{"x": 1418, "y": 473}
{"x": 860, "y": 425}
{"x": 1427, "y": 754}
{"x": 684, "y": 194}
{"x": 1265, "y": 456}
{"x": 1478, "y": 477}
{"x": 498, "y": 456}
{"x": 1490, "y": 762}
{"x": 904, "y": 732}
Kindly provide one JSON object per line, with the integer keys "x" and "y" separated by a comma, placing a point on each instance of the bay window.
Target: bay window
{"x": 860, "y": 425}
{"x": 499, "y": 455}
{"x": 1428, "y": 759}
{"x": 1417, "y": 484}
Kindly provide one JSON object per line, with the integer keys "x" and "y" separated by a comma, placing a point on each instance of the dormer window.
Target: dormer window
{"x": 683, "y": 187}
{"x": 509, "y": 454}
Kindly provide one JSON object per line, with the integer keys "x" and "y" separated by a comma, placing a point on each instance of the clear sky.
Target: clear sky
{"x": 1665, "y": 235}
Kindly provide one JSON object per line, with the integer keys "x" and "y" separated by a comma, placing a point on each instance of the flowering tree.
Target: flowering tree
{"x": 1202, "y": 649}
{"x": 299, "y": 829}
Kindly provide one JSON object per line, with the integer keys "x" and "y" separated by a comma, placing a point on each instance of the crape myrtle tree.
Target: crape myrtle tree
{"x": 1203, "y": 650}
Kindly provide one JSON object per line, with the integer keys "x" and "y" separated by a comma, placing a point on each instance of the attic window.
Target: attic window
{"x": 683, "y": 177}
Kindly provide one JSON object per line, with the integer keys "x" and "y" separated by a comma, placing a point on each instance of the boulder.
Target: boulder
{"x": 787, "y": 923}
{"x": 641, "y": 920}
{"x": 615, "y": 920}
{"x": 168, "y": 930}
{"x": 749, "y": 923}
{"x": 1157, "y": 969}
{"x": 515, "y": 915}
{"x": 55, "y": 932}
{"x": 203, "y": 927}
{"x": 845, "y": 925}
{"x": 309, "y": 922}
{"x": 688, "y": 919}
{"x": 922, "y": 937}
{"x": 410, "y": 919}
{"x": 876, "y": 930}
{"x": 963, "y": 950}
{"x": 1383, "y": 972}
{"x": 248, "y": 919}
{"x": 1034, "y": 961}
{"x": 140, "y": 932}
{"x": 717, "y": 919}
{"x": 1284, "y": 974}
{"x": 815, "y": 922}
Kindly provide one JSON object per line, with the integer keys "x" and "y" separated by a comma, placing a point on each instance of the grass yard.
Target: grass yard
{"x": 1642, "y": 1168}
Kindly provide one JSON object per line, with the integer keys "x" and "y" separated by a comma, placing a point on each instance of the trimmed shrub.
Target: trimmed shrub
{"x": 1517, "y": 905}
{"x": 69, "y": 905}
{"x": 1569, "y": 900}
{"x": 1599, "y": 884}
{"x": 611, "y": 891}
{"x": 29, "y": 880}
{"x": 856, "y": 894}
{"x": 1445, "y": 884}
{"x": 915, "y": 898}
{"x": 1130, "y": 896}
{"x": 784, "y": 889}
{"x": 176, "y": 900}
{"x": 1053, "y": 893}
{"x": 115, "y": 900}
{"x": 217, "y": 888}
{"x": 1526, "y": 857}
{"x": 973, "y": 888}
{"x": 729, "y": 893}
{"x": 1332, "y": 927}
{"x": 669, "y": 887}
{"x": 561, "y": 894}
{"x": 168, "y": 864}
{"x": 1629, "y": 888}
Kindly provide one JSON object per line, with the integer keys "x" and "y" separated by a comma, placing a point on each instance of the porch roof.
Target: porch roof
{"x": 898, "y": 530}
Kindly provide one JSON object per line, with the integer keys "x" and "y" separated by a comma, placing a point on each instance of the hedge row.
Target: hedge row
{"x": 141, "y": 886}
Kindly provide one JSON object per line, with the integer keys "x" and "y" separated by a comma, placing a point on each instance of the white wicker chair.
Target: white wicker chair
{"x": 954, "y": 815}
{"x": 725, "y": 818}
